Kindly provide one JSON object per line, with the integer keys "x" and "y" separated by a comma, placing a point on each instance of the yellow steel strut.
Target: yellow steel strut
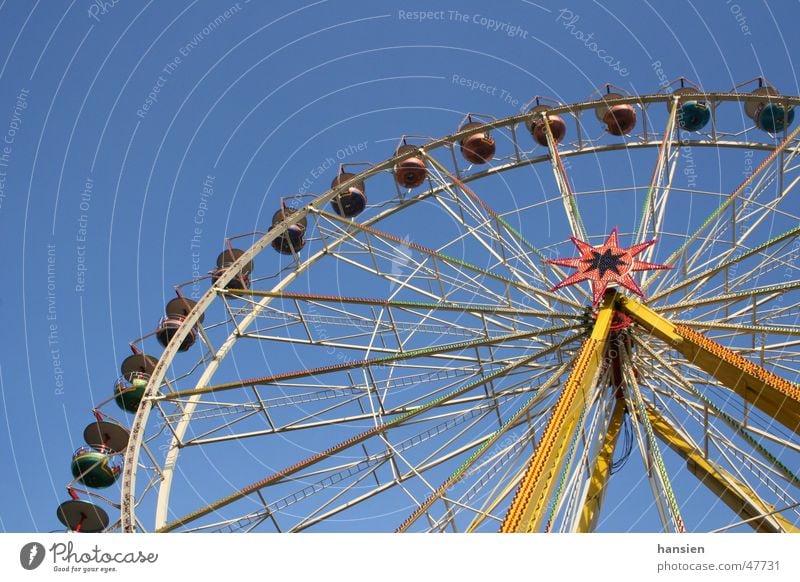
{"x": 737, "y": 495}
{"x": 770, "y": 393}
{"x": 602, "y": 470}
{"x": 529, "y": 505}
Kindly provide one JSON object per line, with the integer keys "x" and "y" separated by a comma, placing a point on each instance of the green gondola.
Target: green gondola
{"x": 93, "y": 468}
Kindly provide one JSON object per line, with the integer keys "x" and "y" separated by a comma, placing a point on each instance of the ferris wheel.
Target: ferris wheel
{"x": 583, "y": 317}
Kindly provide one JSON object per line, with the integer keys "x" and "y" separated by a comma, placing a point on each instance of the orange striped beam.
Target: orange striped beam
{"x": 773, "y": 395}
{"x": 529, "y": 505}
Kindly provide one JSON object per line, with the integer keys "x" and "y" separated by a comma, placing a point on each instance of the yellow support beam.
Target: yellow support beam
{"x": 602, "y": 470}
{"x": 739, "y": 496}
{"x": 529, "y": 505}
{"x": 768, "y": 392}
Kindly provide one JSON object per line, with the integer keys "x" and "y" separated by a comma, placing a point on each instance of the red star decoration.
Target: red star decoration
{"x": 605, "y": 264}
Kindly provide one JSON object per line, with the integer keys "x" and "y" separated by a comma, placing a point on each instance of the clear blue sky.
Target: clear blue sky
{"x": 117, "y": 114}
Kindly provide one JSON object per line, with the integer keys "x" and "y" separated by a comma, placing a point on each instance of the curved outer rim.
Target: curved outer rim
{"x": 128, "y": 521}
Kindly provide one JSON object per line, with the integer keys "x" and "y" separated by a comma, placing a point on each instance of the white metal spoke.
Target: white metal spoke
{"x": 654, "y": 206}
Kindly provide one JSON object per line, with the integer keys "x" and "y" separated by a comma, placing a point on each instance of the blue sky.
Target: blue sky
{"x": 117, "y": 113}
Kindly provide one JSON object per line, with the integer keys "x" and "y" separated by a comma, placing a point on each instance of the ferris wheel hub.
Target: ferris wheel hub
{"x": 605, "y": 265}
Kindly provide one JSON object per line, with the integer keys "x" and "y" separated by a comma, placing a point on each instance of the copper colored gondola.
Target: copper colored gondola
{"x": 537, "y": 125}
{"x": 411, "y": 172}
{"x": 478, "y": 147}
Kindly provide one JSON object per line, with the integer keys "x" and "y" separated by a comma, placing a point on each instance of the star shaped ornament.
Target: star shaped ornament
{"x": 606, "y": 264}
